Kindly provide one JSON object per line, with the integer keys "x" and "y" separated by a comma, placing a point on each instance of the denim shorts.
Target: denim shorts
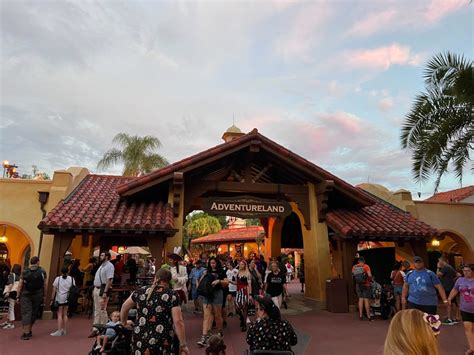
{"x": 397, "y": 290}
{"x": 217, "y": 300}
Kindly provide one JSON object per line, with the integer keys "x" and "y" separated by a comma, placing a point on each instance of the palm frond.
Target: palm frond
{"x": 110, "y": 158}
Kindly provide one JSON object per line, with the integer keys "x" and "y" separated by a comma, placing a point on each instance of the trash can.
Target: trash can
{"x": 336, "y": 296}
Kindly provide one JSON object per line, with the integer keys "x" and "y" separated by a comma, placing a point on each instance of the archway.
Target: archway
{"x": 16, "y": 241}
{"x": 455, "y": 247}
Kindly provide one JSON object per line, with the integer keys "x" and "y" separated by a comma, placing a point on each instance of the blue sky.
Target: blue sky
{"x": 331, "y": 80}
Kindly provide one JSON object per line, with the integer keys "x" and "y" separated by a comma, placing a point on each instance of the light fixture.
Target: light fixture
{"x": 219, "y": 249}
{"x": 435, "y": 242}
{"x": 3, "y": 238}
{"x": 231, "y": 249}
{"x": 245, "y": 248}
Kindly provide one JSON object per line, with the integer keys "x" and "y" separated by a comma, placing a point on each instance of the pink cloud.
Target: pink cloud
{"x": 343, "y": 122}
{"x": 382, "y": 57}
{"x": 372, "y": 23}
{"x": 385, "y": 104}
{"x": 438, "y": 9}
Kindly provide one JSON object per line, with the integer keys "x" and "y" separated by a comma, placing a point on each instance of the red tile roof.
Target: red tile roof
{"x": 95, "y": 204}
{"x": 453, "y": 195}
{"x": 187, "y": 164}
{"x": 231, "y": 235}
{"x": 379, "y": 221}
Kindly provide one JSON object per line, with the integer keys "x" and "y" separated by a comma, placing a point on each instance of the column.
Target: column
{"x": 349, "y": 250}
{"x": 156, "y": 245}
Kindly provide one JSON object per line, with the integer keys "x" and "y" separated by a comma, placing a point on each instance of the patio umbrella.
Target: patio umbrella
{"x": 135, "y": 250}
{"x": 97, "y": 252}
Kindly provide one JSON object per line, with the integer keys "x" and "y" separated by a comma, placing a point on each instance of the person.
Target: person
{"x": 231, "y": 274}
{"x": 465, "y": 287}
{"x": 4, "y": 272}
{"x": 213, "y": 303}
{"x": 289, "y": 271}
{"x": 256, "y": 279}
{"x": 412, "y": 332}
{"x": 270, "y": 332}
{"x": 275, "y": 284}
{"x": 110, "y": 333}
{"x": 397, "y": 278}
{"x": 447, "y": 275}
{"x": 10, "y": 293}
{"x": 216, "y": 346}
{"x": 419, "y": 289}
{"x": 194, "y": 277}
{"x": 102, "y": 287}
{"x": 76, "y": 272}
{"x": 132, "y": 269}
{"x": 30, "y": 295}
{"x": 61, "y": 287}
{"x": 119, "y": 265}
{"x": 88, "y": 277}
{"x": 179, "y": 276}
{"x": 151, "y": 267}
{"x": 301, "y": 273}
{"x": 244, "y": 294}
{"x": 406, "y": 266}
{"x": 67, "y": 260}
{"x": 159, "y": 318}
{"x": 362, "y": 277}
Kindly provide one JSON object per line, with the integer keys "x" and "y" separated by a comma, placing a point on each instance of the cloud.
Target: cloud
{"x": 381, "y": 57}
{"x": 385, "y": 104}
{"x": 404, "y": 16}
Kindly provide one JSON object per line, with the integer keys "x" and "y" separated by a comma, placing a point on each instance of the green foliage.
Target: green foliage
{"x": 252, "y": 222}
{"x": 198, "y": 225}
{"x": 137, "y": 154}
{"x": 439, "y": 129}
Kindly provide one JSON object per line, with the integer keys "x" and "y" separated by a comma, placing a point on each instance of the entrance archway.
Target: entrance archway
{"x": 17, "y": 241}
{"x": 455, "y": 247}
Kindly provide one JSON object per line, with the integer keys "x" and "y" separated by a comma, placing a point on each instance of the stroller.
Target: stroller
{"x": 119, "y": 346}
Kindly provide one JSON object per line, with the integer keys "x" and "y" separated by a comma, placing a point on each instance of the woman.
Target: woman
{"x": 76, "y": 272}
{"x": 179, "y": 276}
{"x": 61, "y": 286}
{"x": 231, "y": 274}
{"x": 244, "y": 294}
{"x": 213, "y": 304}
{"x": 275, "y": 284}
{"x": 88, "y": 277}
{"x": 158, "y": 313}
{"x": 256, "y": 279}
{"x": 412, "y": 332}
{"x": 10, "y": 294}
{"x": 397, "y": 277}
{"x": 465, "y": 287}
{"x": 270, "y": 332}
{"x": 301, "y": 274}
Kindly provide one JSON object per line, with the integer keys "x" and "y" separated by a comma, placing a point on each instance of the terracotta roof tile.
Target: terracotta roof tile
{"x": 315, "y": 170}
{"x": 231, "y": 235}
{"x": 95, "y": 204}
{"x": 381, "y": 220}
{"x": 453, "y": 195}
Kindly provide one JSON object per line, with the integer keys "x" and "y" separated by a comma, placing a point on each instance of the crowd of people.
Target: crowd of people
{"x": 222, "y": 288}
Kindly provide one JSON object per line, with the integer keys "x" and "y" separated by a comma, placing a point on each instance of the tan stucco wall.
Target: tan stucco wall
{"x": 20, "y": 210}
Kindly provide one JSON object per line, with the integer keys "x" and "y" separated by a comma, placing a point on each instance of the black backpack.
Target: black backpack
{"x": 34, "y": 280}
{"x": 205, "y": 288}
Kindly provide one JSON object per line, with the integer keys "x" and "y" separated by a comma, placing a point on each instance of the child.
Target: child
{"x": 110, "y": 333}
{"x": 216, "y": 346}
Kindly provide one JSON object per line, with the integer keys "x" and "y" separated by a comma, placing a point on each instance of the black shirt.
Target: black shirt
{"x": 217, "y": 275}
{"x": 447, "y": 280}
{"x": 275, "y": 284}
{"x": 267, "y": 334}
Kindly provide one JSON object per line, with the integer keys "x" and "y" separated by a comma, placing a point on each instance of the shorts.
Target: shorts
{"x": 454, "y": 300}
{"x": 397, "y": 290}
{"x": 233, "y": 293}
{"x": 217, "y": 300}
{"x": 63, "y": 304}
{"x": 30, "y": 304}
{"x": 423, "y": 308}
{"x": 363, "y": 291}
{"x": 467, "y": 317}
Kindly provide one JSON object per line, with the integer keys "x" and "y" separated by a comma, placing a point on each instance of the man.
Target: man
{"x": 30, "y": 294}
{"x": 119, "y": 265}
{"x": 362, "y": 277}
{"x": 132, "y": 269}
{"x": 419, "y": 289}
{"x": 179, "y": 276}
{"x": 406, "y": 267}
{"x": 102, "y": 286}
{"x": 447, "y": 276}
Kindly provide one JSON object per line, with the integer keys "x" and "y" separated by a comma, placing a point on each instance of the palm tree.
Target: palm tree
{"x": 137, "y": 154}
{"x": 439, "y": 129}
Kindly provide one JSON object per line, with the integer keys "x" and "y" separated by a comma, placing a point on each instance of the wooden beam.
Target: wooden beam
{"x": 262, "y": 172}
{"x": 322, "y": 194}
{"x": 243, "y": 187}
{"x": 178, "y": 180}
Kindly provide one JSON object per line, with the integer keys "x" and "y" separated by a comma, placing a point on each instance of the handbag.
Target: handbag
{"x": 54, "y": 306}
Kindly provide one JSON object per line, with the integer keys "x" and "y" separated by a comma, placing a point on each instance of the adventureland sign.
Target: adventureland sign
{"x": 246, "y": 207}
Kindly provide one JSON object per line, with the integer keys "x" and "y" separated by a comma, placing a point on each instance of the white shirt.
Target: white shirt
{"x": 180, "y": 278}
{"x": 232, "y": 276}
{"x": 105, "y": 272}
{"x": 62, "y": 288}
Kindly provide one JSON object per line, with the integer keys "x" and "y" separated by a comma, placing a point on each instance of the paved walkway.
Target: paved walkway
{"x": 319, "y": 333}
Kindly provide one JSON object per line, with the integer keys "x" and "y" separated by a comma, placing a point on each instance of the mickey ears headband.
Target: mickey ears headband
{"x": 433, "y": 321}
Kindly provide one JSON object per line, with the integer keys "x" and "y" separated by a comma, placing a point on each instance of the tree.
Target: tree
{"x": 439, "y": 129}
{"x": 137, "y": 154}
{"x": 198, "y": 225}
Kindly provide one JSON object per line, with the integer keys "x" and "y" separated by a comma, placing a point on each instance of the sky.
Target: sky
{"x": 330, "y": 80}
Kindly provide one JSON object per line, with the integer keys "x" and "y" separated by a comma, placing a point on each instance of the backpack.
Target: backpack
{"x": 73, "y": 294}
{"x": 34, "y": 280}
{"x": 360, "y": 276}
{"x": 205, "y": 288}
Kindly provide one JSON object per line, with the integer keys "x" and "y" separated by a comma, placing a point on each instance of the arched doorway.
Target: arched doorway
{"x": 16, "y": 242}
{"x": 455, "y": 248}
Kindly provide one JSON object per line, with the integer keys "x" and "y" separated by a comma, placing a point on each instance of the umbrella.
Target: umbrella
{"x": 135, "y": 250}
{"x": 97, "y": 252}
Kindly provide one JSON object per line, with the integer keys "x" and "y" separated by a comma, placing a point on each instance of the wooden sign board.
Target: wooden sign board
{"x": 246, "y": 207}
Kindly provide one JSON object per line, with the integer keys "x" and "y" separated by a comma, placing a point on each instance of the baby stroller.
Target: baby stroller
{"x": 119, "y": 346}
{"x": 375, "y": 302}
{"x": 387, "y": 302}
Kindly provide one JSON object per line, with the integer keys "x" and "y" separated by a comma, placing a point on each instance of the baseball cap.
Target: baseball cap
{"x": 417, "y": 259}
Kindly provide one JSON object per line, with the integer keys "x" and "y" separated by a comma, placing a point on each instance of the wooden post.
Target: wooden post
{"x": 349, "y": 250}
{"x": 419, "y": 249}
{"x": 156, "y": 245}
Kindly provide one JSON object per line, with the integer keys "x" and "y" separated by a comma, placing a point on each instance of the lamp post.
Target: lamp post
{"x": 9, "y": 169}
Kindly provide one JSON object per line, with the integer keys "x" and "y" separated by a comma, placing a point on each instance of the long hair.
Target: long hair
{"x": 245, "y": 272}
{"x": 16, "y": 269}
{"x": 216, "y": 346}
{"x": 162, "y": 275}
{"x": 218, "y": 265}
{"x": 269, "y": 307}
{"x": 409, "y": 334}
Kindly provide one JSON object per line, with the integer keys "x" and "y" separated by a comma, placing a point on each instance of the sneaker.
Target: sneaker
{"x": 26, "y": 336}
{"x": 448, "y": 322}
{"x": 9, "y": 326}
{"x": 57, "y": 333}
{"x": 4, "y": 324}
{"x": 203, "y": 341}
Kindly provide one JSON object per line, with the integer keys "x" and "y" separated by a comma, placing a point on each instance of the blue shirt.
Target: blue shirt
{"x": 195, "y": 275}
{"x": 421, "y": 287}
